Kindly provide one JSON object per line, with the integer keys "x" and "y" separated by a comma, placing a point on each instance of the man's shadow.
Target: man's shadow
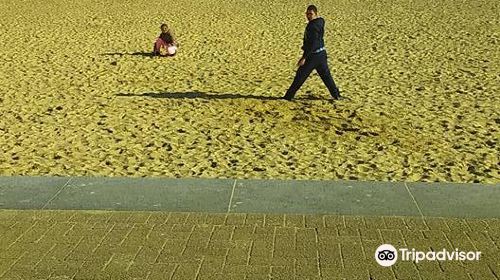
{"x": 143, "y": 54}
{"x": 204, "y": 95}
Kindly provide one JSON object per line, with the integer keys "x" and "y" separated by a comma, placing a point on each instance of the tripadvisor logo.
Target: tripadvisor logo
{"x": 387, "y": 255}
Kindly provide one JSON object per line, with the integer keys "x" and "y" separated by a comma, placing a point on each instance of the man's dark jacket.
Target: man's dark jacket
{"x": 313, "y": 36}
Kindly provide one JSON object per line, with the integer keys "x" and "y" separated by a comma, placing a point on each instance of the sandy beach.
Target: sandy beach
{"x": 80, "y": 95}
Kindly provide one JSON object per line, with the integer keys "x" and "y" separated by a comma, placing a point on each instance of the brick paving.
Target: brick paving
{"x": 161, "y": 245}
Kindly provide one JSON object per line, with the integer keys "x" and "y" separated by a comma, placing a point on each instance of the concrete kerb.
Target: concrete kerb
{"x": 251, "y": 196}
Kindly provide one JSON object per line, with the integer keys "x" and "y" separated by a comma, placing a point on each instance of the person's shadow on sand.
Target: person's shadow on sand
{"x": 204, "y": 95}
{"x": 144, "y": 54}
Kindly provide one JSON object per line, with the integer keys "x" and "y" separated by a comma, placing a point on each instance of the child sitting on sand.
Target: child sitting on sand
{"x": 165, "y": 45}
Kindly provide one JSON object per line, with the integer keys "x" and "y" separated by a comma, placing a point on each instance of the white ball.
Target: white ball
{"x": 172, "y": 50}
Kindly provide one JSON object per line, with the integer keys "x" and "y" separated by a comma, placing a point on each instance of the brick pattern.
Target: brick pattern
{"x": 156, "y": 245}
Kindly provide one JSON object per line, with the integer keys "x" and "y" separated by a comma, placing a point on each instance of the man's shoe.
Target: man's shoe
{"x": 340, "y": 98}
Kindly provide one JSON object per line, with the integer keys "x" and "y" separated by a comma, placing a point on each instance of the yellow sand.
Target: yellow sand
{"x": 422, "y": 76}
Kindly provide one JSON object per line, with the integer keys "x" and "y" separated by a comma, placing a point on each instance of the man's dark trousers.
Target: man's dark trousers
{"x": 319, "y": 62}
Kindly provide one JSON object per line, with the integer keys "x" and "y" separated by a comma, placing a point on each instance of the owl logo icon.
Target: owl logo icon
{"x": 386, "y": 255}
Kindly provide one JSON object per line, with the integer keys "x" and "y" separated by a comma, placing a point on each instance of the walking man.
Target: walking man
{"x": 314, "y": 56}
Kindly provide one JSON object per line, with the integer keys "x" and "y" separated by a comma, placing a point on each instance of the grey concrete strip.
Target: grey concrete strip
{"x": 145, "y": 194}
{"x": 414, "y": 200}
{"x": 20, "y": 192}
{"x": 231, "y": 198}
{"x": 323, "y": 197}
{"x": 251, "y": 196}
{"x": 57, "y": 193}
{"x": 457, "y": 200}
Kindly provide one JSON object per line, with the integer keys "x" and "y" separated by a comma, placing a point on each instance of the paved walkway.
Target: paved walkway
{"x": 329, "y": 242}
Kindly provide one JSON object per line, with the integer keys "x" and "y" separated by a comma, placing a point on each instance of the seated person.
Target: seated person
{"x": 165, "y": 45}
